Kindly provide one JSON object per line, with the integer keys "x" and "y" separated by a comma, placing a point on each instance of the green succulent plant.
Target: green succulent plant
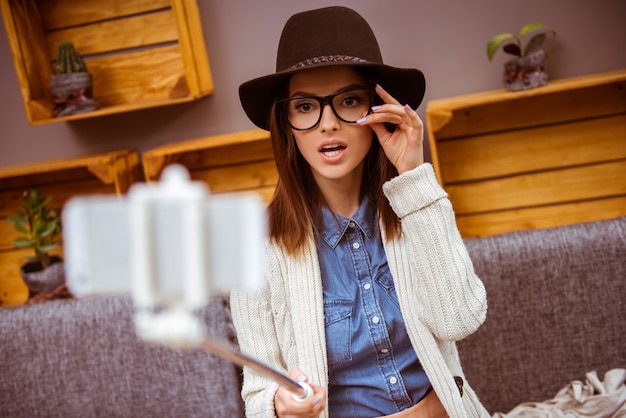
{"x": 68, "y": 60}
{"x": 512, "y": 44}
{"x": 39, "y": 224}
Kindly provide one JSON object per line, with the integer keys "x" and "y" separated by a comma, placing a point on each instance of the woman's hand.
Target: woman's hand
{"x": 405, "y": 146}
{"x": 286, "y": 406}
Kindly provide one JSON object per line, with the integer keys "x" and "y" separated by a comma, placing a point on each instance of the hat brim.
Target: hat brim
{"x": 407, "y": 85}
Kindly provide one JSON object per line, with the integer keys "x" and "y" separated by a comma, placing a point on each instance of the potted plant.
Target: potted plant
{"x": 40, "y": 226}
{"x": 71, "y": 83}
{"x": 526, "y": 70}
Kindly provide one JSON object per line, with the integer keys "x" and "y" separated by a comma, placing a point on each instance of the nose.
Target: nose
{"x": 329, "y": 120}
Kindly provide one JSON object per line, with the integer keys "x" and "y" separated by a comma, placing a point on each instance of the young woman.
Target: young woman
{"x": 369, "y": 284}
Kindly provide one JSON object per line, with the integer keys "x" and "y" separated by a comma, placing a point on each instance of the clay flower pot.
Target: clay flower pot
{"x": 526, "y": 72}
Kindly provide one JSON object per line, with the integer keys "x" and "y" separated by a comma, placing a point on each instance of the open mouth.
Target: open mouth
{"x": 332, "y": 150}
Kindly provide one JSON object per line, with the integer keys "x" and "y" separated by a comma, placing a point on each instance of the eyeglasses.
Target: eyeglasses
{"x": 349, "y": 105}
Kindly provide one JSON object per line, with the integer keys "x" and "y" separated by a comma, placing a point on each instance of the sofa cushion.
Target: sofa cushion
{"x": 555, "y": 310}
{"x": 81, "y": 357}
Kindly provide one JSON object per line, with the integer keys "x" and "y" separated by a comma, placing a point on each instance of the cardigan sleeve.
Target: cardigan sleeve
{"x": 254, "y": 323}
{"x": 430, "y": 258}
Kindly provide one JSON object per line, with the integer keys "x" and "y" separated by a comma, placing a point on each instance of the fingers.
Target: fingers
{"x": 387, "y": 98}
{"x": 286, "y": 406}
{"x": 392, "y": 112}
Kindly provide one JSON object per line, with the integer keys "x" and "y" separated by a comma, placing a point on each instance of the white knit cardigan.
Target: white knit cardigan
{"x": 441, "y": 299}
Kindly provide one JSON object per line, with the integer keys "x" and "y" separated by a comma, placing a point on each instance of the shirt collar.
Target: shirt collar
{"x": 334, "y": 226}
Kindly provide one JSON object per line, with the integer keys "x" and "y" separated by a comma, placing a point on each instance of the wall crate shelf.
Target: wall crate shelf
{"x": 241, "y": 161}
{"x": 544, "y": 157}
{"x": 108, "y": 173}
{"x": 141, "y": 53}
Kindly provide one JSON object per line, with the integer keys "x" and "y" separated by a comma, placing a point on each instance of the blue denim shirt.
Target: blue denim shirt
{"x": 373, "y": 369}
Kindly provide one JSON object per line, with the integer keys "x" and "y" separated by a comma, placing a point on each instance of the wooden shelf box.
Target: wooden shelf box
{"x": 544, "y": 157}
{"x": 241, "y": 161}
{"x": 108, "y": 173}
{"x": 140, "y": 53}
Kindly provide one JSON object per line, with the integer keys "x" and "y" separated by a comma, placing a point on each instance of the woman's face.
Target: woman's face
{"x": 334, "y": 149}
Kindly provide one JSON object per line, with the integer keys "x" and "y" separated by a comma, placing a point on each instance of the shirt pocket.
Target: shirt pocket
{"x": 338, "y": 323}
{"x": 385, "y": 280}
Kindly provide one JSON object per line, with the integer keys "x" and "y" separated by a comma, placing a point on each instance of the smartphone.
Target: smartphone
{"x": 227, "y": 248}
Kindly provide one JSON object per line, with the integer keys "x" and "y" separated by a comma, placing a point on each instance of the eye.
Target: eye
{"x": 305, "y": 105}
{"x": 352, "y": 99}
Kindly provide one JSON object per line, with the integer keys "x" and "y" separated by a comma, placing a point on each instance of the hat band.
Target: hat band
{"x": 325, "y": 59}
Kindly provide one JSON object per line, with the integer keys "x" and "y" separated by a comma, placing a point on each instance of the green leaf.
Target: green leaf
{"x": 47, "y": 229}
{"x": 46, "y": 201}
{"x": 47, "y": 248}
{"x": 23, "y": 242}
{"x": 534, "y": 44}
{"x": 533, "y": 26}
{"x": 497, "y": 41}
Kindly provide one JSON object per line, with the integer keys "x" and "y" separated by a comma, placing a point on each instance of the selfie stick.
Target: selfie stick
{"x": 169, "y": 241}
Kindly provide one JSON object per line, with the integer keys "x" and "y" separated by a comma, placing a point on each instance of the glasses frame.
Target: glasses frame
{"x": 328, "y": 100}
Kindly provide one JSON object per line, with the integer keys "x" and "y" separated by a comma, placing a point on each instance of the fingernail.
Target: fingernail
{"x": 379, "y": 87}
{"x": 409, "y": 108}
{"x": 363, "y": 119}
{"x": 375, "y": 108}
{"x": 317, "y": 400}
{"x": 301, "y": 378}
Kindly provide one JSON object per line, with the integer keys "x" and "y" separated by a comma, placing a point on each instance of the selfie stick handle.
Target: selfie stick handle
{"x": 300, "y": 391}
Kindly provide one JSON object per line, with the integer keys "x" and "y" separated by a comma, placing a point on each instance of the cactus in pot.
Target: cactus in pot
{"x": 68, "y": 60}
{"x": 71, "y": 84}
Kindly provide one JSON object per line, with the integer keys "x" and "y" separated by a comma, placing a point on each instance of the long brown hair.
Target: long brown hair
{"x": 295, "y": 209}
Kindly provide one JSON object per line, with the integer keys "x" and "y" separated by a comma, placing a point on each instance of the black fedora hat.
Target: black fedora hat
{"x": 327, "y": 37}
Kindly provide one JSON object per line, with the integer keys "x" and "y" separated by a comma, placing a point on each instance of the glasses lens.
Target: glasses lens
{"x": 303, "y": 112}
{"x": 350, "y": 105}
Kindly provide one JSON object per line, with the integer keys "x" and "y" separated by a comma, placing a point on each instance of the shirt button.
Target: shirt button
{"x": 393, "y": 380}
{"x": 384, "y": 350}
{"x": 376, "y": 320}
{"x": 367, "y": 286}
{"x": 351, "y": 224}
{"x": 356, "y": 245}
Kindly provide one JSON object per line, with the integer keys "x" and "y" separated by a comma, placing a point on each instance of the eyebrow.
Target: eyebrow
{"x": 305, "y": 94}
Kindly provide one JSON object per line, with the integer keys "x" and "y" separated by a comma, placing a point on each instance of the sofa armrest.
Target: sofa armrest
{"x": 555, "y": 310}
{"x": 82, "y": 358}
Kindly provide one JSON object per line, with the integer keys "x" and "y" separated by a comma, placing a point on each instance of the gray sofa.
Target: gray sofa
{"x": 555, "y": 313}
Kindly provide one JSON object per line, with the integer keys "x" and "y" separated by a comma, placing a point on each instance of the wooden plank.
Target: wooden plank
{"x": 480, "y": 225}
{"x": 117, "y": 35}
{"x": 13, "y": 291}
{"x": 535, "y": 149}
{"x": 208, "y": 151}
{"x": 64, "y": 164}
{"x": 543, "y": 188}
{"x": 558, "y": 101}
{"x": 195, "y": 58}
{"x": 238, "y": 176}
{"x": 32, "y": 64}
{"x": 63, "y": 13}
{"x": 219, "y": 157}
{"x": 19, "y": 182}
{"x": 138, "y": 76}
